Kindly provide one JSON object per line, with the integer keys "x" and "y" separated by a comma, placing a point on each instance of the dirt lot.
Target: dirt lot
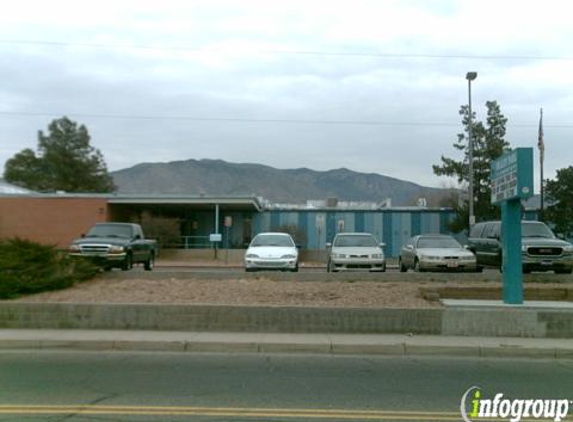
{"x": 251, "y": 292}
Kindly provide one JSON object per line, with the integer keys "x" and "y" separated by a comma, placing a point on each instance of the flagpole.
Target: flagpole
{"x": 541, "y": 145}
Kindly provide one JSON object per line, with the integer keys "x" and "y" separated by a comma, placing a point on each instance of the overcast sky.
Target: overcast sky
{"x": 373, "y": 86}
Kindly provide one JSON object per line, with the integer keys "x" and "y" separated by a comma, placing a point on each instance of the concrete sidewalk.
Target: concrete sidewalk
{"x": 266, "y": 343}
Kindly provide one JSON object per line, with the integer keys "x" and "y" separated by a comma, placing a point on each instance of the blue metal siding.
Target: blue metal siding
{"x": 320, "y": 228}
{"x": 289, "y": 218}
{"x": 434, "y": 223}
{"x": 425, "y": 223}
{"x": 347, "y": 221}
{"x": 378, "y": 227}
{"x": 275, "y": 220}
{"x": 406, "y": 232}
{"x": 330, "y": 226}
{"x": 387, "y": 223}
{"x": 303, "y": 225}
{"x": 416, "y": 224}
{"x": 393, "y": 228}
{"x": 444, "y": 220}
{"x": 359, "y": 221}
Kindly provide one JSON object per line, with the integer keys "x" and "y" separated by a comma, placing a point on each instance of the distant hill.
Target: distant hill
{"x": 217, "y": 177}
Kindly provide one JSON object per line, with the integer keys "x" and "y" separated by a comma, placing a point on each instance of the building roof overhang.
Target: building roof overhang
{"x": 226, "y": 202}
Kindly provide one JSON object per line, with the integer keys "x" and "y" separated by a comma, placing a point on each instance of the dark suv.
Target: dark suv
{"x": 542, "y": 251}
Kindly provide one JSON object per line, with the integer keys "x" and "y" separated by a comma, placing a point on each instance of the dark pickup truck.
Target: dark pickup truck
{"x": 541, "y": 250}
{"x": 116, "y": 245}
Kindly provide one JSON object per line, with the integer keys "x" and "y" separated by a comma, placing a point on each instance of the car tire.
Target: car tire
{"x": 127, "y": 263}
{"x": 417, "y": 268}
{"x": 479, "y": 269}
{"x": 403, "y": 268}
{"x": 328, "y": 269}
{"x": 331, "y": 268}
{"x": 150, "y": 263}
{"x": 295, "y": 269}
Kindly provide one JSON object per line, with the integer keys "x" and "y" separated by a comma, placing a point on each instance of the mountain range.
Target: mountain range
{"x": 221, "y": 178}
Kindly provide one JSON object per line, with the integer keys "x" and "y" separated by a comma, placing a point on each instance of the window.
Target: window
{"x": 355, "y": 241}
{"x": 477, "y": 230}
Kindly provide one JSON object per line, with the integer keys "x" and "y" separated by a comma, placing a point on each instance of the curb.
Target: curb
{"x": 323, "y": 345}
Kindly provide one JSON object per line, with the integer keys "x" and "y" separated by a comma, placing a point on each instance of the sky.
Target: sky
{"x": 373, "y": 86}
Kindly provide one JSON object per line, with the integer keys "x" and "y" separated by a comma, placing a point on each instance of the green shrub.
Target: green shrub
{"x": 27, "y": 267}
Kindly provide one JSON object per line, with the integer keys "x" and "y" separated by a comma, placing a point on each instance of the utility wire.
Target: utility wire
{"x": 253, "y": 120}
{"x": 287, "y": 52}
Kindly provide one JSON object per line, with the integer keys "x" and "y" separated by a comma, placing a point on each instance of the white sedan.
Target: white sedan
{"x": 272, "y": 251}
{"x": 436, "y": 253}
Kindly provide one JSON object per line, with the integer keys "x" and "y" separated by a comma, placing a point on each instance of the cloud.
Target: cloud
{"x": 401, "y": 62}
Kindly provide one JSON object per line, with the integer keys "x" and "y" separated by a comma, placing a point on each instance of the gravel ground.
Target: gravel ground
{"x": 241, "y": 291}
{"x": 255, "y": 292}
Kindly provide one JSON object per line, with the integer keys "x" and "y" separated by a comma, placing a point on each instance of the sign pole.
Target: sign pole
{"x": 511, "y": 252}
{"x": 216, "y": 228}
{"x": 226, "y": 245}
{"x": 228, "y": 224}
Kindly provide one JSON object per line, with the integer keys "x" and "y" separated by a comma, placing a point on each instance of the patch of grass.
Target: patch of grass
{"x": 27, "y": 267}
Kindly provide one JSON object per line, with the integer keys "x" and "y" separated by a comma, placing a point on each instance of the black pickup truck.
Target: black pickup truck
{"x": 116, "y": 245}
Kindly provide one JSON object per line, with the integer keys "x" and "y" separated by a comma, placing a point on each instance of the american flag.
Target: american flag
{"x": 540, "y": 143}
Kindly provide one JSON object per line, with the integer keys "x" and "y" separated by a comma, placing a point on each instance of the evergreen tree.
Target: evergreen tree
{"x": 559, "y": 194}
{"x": 65, "y": 161}
{"x": 489, "y": 143}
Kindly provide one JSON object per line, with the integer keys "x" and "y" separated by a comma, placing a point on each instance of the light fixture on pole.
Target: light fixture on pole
{"x": 471, "y": 76}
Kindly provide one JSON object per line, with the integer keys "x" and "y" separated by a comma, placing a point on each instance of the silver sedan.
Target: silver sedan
{"x": 355, "y": 251}
{"x": 436, "y": 253}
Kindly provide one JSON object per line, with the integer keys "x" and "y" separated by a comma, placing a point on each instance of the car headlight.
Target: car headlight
{"x": 74, "y": 248}
{"x": 338, "y": 255}
{"x": 288, "y": 256}
{"x": 116, "y": 249}
{"x": 429, "y": 257}
{"x": 524, "y": 248}
{"x": 377, "y": 256}
{"x": 468, "y": 258}
{"x": 251, "y": 255}
{"x": 568, "y": 249}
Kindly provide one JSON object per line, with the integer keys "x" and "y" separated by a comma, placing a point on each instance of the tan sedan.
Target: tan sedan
{"x": 435, "y": 253}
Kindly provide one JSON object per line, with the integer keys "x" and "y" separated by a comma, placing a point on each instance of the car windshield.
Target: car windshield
{"x": 536, "y": 230}
{"x": 355, "y": 241}
{"x": 272, "y": 240}
{"x": 110, "y": 231}
{"x": 438, "y": 242}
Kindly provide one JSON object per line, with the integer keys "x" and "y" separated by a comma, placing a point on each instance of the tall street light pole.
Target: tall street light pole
{"x": 470, "y": 76}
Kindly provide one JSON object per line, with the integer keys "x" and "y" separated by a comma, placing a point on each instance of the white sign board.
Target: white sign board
{"x": 215, "y": 237}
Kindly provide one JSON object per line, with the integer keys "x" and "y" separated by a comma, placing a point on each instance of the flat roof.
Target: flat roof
{"x": 247, "y": 202}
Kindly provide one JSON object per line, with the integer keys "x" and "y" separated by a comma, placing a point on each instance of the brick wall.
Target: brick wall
{"x": 50, "y": 220}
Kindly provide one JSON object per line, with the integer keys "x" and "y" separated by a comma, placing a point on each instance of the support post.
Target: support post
{"x": 216, "y": 227}
{"x": 511, "y": 252}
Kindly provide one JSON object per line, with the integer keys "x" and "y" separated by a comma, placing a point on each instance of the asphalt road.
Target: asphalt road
{"x": 89, "y": 386}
